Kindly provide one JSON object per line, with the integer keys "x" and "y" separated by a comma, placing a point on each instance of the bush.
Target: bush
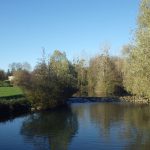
{"x": 5, "y": 83}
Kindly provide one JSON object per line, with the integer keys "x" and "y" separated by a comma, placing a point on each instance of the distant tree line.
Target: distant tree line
{"x": 54, "y": 80}
{"x": 101, "y": 77}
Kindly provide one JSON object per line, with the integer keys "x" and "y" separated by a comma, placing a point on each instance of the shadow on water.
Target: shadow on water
{"x": 52, "y": 130}
{"x": 5, "y": 117}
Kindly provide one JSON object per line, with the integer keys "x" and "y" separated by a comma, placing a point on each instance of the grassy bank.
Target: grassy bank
{"x": 12, "y": 100}
{"x": 10, "y": 91}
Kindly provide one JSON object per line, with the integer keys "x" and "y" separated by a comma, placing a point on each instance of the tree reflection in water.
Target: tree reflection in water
{"x": 50, "y": 130}
{"x": 131, "y": 121}
{"x": 123, "y": 126}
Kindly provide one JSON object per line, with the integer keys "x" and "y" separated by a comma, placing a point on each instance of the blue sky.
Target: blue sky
{"x": 78, "y": 27}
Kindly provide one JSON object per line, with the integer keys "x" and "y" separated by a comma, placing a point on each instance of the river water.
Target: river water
{"x": 87, "y": 126}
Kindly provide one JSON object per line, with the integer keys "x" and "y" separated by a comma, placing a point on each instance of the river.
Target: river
{"x": 79, "y": 126}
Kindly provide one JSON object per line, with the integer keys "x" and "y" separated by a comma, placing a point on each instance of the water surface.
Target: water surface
{"x": 88, "y": 126}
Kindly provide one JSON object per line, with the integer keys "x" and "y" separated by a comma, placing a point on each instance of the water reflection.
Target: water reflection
{"x": 88, "y": 126}
{"x": 50, "y": 130}
{"x": 131, "y": 122}
{"x": 6, "y": 117}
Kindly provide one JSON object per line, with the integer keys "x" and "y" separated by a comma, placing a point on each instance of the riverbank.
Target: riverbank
{"x": 14, "y": 105}
{"x": 13, "y": 101}
{"x": 134, "y": 99}
{"x": 21, "y": 104}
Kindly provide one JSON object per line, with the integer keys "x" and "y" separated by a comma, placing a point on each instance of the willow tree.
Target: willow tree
{"x": 137, "y": 75}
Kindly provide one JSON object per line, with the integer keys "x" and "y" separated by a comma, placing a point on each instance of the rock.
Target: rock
{"x": 32, "y": 109}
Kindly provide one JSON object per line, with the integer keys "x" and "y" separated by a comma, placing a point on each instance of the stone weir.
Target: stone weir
{"x": 128, "y": 99}
{"x": 92, "y": 99}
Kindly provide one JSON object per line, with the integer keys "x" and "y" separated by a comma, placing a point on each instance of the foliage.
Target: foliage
{"x": 5, "y": 83}
{"x": 16, "y": 66}
{"x": 21, "y": 78}
{"x": 50, "y": 83}
{"x": 137, "y": 70}
{"x": 2, "y": 75}
{"x": 82, "y": 82}
{"x": 104, "y": 76}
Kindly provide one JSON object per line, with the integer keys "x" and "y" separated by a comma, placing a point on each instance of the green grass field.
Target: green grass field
{"x": 10, "y": 91}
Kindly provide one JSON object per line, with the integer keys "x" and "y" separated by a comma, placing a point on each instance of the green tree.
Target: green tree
{"x": 104, "y": 76}
{"x": 64, "y": 72}
{"x": 2, "y": 75}
{"x": 137, "y": 72}
{"x": 105, "y": 85}
{"x": 92, "y": 75}
{"x": 50, "y": 83}
{"x": 82, "y": 82}
{"x": 16, "y": 66}
{"x": 22, "y": 78}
